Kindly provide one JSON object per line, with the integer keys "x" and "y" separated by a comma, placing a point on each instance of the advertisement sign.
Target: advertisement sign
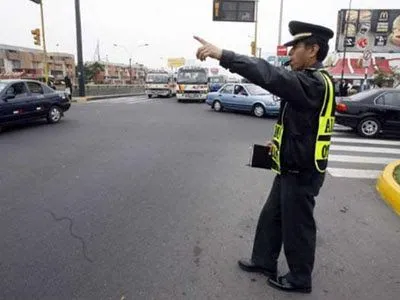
{"x": 377, "y": 30}
{"x": 234, "y": 10}
{"x": 176, "y": 62}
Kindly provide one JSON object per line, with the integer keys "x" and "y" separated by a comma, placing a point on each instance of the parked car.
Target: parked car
{"x": 26, "y": 100}
{"x": 246, "y": 97}
{"x": 370, "y": 112}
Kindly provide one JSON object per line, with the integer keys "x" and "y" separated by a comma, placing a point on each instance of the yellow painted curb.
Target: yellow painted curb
{"x": 388, "y": 188}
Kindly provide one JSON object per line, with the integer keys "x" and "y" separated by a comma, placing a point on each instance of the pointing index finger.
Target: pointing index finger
{"x": 200, "y": 40}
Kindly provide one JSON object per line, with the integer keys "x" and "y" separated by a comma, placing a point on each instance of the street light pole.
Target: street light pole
{"x": 256, "y": 28}
{"x": 130, "y": 70}
{"x": 279, "y": 31}
{"x": 130, "y": 54}
{"x": 81, "y": 70}
{"x": 280, "y": 24}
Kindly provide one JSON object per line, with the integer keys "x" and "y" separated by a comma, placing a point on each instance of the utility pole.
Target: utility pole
{"x": 256, "y": 28}
{"x": 81, "y": 70}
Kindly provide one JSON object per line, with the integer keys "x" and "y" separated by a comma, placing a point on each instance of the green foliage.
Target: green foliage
{"x": 92, "y": 69}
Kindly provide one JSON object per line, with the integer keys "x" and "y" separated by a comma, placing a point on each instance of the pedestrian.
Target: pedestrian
{"x": 68, "y": 86}
{"x": 299, "y": 150}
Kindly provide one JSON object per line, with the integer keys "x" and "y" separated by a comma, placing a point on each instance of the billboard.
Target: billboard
{"x": 377, "y": 30}
{"x": 234, "y": 10}
{"x": 176, "y": 62}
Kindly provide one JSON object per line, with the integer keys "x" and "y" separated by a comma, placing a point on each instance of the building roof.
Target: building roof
{"x": 32, "y": 50}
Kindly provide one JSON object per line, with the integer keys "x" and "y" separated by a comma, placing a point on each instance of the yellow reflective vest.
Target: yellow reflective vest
{"x": 324, "y": 133}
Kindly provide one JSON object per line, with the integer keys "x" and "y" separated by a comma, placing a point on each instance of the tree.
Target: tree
{"x": 92, "y": 70}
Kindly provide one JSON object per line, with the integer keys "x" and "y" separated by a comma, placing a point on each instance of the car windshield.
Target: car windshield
{"x": 363, "y": 95}
{"x": 192, "y": 76}
{"x": 157, "y": 78}
{"x": 256, "y": 90}
{"x": 2, "y": 86}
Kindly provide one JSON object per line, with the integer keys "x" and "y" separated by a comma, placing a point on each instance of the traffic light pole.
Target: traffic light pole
{"x": 46, "y": 69}
{"x": 81, "y": 70}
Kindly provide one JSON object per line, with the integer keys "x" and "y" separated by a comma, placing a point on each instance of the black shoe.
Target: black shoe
{"x": 248, "y": 266}
{"x": 281, "y": 283}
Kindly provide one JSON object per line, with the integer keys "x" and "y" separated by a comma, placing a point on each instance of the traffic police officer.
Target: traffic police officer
{"x": 299, "y": 150}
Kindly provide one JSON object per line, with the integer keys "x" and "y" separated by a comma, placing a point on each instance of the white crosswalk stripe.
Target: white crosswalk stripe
{"x": 354, "y": 157}
{"x": 125, "y": 100}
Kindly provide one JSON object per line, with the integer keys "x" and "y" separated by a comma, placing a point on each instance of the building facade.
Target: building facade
{"x": 20, "y": 62}
{"x": 119, "y": 73}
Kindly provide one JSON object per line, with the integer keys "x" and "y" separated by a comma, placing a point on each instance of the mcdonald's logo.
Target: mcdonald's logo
{"x": 384, "y": 15}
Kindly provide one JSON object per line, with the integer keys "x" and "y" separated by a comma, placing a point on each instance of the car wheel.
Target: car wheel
{"x": 369, "y": 127}
{"x": 217, "y": 106}
{"x": 54, "y": 115}
{"x": 258, "y": 111}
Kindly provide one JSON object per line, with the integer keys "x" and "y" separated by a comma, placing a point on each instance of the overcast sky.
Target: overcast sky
{"x": 166, "y": 25}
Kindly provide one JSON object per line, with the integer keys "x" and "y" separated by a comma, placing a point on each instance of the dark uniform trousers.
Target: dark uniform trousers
{"x": 287, "y": 218}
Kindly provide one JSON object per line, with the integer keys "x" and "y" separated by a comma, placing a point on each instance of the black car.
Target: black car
{"x": 370, "y": 112}
{"x": 26, "y": 100}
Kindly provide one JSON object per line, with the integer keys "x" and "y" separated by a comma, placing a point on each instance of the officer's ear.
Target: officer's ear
{"x": 313, "y": 50}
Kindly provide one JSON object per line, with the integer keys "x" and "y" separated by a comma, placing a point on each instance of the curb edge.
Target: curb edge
{"x": 388, "y": 188}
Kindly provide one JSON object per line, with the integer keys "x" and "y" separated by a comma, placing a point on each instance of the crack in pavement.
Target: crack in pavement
{"x": 71, "y": 223}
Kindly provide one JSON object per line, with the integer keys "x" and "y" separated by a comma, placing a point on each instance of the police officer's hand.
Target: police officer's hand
{"x": 207, "y": 50}
{"x": 270, "y": 145}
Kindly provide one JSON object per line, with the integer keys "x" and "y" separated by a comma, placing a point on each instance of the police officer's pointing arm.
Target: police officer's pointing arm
{"x": 297, "y": 87}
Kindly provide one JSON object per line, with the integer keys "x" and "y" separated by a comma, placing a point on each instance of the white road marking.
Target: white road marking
{"x": 365, "y": 149}
{"x": 354, "y": 173}
{"x": 120, "y": 100}
{"x": 364, "y": 141}
{"x": 361, "y": 159}
{"x": 341, "y": 133}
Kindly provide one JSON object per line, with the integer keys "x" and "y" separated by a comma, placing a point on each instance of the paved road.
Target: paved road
{"x": 151, "y": 199}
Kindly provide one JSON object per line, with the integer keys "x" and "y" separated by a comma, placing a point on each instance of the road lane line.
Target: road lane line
{"x": 361, "y": 159}
{"x": 364, "y": 141}
{"x": 364, "y": 149}
{"x": 354, "y": 173}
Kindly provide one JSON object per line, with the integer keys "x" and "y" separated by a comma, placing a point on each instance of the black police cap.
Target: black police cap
{"x": 302, "y": 31}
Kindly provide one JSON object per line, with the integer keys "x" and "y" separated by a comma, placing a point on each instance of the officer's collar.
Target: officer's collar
{"x": 318, "y": 65}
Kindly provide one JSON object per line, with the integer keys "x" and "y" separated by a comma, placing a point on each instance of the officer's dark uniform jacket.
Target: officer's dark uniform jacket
{"x": 302, "y": 96}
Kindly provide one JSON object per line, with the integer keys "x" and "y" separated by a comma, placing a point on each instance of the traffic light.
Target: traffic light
{"x": 253, "y": 48}
{"x": 36, "y": 36}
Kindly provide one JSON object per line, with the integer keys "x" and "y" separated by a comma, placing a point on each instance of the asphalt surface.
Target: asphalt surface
{"x": 151, "y": 199}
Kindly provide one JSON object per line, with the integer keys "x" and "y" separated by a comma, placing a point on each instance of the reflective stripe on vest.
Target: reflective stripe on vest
{"x": 325, "y": 128}
{"x": 277, "y": 142}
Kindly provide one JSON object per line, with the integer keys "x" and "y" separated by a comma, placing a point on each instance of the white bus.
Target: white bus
{"x": 192, "y": 84}
{"x": 160, "y": 83}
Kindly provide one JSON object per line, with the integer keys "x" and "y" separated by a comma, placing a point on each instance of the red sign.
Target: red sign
{"x": 281, "y": 51}
{"x": 214, "y": 71}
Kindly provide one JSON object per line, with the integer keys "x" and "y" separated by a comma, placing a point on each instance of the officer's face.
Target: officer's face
{"x": 302, "y": 56}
